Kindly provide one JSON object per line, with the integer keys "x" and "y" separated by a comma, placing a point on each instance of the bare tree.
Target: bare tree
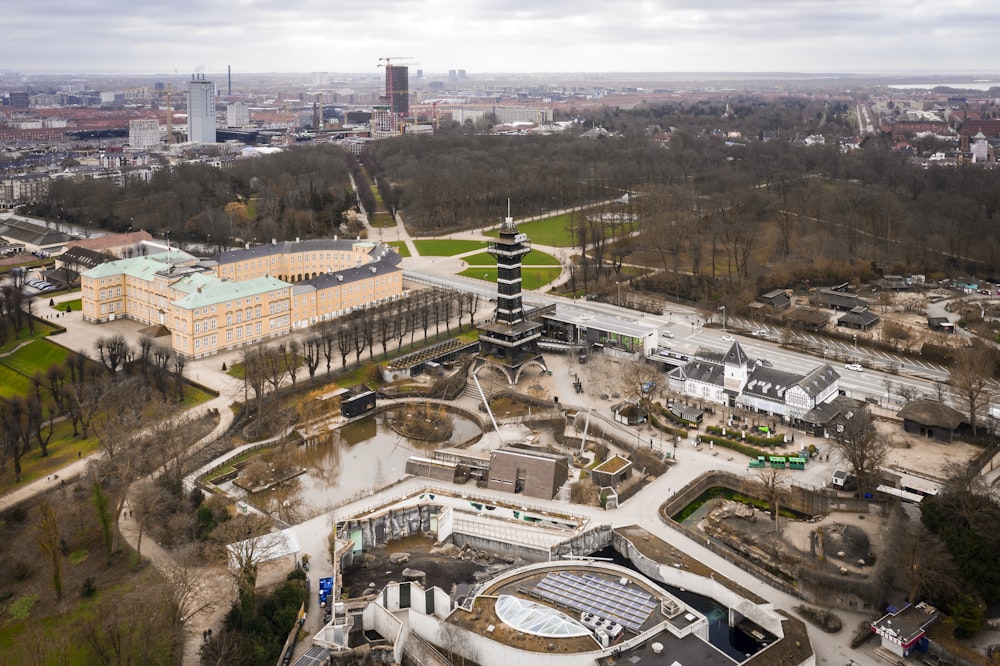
{"x": 48, "y": 540}
{"x": 312, "y": 349}
{"x": 146, "y": 498}
{"x": 189, "y": 583}
{"x": 862, "y": 447}
{"x": 971, "y": 379}
{"x": 771, "y": 485}
{"x": 926, "y": 566}
{"x": 114, "y": 351}
{"x": 638, "y": 379}
{"x": 249, "y": 542}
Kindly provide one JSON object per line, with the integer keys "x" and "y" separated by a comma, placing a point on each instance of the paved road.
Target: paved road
{"x": 641, "y": 510}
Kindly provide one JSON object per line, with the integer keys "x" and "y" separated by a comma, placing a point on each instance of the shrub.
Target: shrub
{"x": 675, "y": 432}
{"x": 21, "y": 607}
{"x": 734, "y": 445}
{"x": 89, "y": 587}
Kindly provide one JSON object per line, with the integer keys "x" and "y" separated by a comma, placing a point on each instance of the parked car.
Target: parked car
{"x": 728, "y": 338}
{"x": 854, "y": 367}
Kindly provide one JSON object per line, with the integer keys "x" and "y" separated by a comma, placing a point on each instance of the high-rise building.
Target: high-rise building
{"x": 201, "y": 110}
{"x": 19, "y": 99}
{"x": 143, "y": 133}
{"x": 397, "y": 88}
{"x": 237, "y": 115}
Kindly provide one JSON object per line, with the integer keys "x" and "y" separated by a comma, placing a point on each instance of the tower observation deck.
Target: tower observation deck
{"x": 509, "y": 341}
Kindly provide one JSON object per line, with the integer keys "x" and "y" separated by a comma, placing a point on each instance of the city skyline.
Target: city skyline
{"x": 806, "y": 36}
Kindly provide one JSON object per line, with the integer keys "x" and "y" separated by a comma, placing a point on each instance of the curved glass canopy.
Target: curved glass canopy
{"x": 537, "y": 619}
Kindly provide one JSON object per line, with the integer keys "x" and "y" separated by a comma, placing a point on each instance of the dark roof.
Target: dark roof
{"x": 83, "y": 257}
{"x": 932, "y": 413}
{"x": 855, "y": 317}
{"x": 770, "y": 383}
{"x": 825, "y": 412}
{"x": 385, "y": 266}
{"x": 777, "y": 298}
{"x": 287, "y": 247}
{"x": 939, "y": 322}
{"x": 701, "y": 371}
{"x": 34, "y": 234}
{"x": 735, "y": 355}
{"x": 818, "y": 380}
{"x": 837, "y": 299}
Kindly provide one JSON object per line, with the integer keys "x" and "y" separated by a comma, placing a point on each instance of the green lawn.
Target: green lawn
{"x": 383, "y": 220}
{"x": 531, "y": 277}
{"x": 41, "y": 330}
{"x": 446, "y": 247}
{"x": 36, "y": 356}
{"x": 401, "y": 248}
{"x": 13, "y": 383}
{"x": 75, "y": 305}
{"x": 64, "y": 448}
{"x": 534, "y": 258}
{"x": 552, "y": 231}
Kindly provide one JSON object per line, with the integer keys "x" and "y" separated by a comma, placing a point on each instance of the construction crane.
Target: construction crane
{"x": 170, "y": 118}
{"x": 387, "y": 63}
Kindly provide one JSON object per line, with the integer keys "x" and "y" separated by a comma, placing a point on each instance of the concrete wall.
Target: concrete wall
{"x": 381, "y": 620}
{"x": 393, "y": 524}
{"x": 584, "y": 544}
{"x": 504, "y": 548}
{"x": 707, "y": 587}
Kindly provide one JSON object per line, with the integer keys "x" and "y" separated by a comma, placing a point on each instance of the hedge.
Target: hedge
{"x": 735, "y": 446}
{"x": 678, "y": 420}
{"x": 777, "y": 440}
{"x": 676, "y": 432}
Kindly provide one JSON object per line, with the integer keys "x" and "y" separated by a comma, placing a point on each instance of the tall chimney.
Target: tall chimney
{"x": 229, "y": 70}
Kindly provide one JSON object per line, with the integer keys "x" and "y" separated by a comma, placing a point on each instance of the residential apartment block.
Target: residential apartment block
{"x": 242, "y": 297}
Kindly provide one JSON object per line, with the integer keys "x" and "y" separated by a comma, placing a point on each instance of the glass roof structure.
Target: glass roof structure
{"x": 537, "y": 619}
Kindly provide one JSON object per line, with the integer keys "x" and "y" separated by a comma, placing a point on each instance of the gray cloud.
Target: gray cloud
{"x": 490, "y": 35}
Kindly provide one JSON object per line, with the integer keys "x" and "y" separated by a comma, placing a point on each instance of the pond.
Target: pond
{"x": 363, "y": 455}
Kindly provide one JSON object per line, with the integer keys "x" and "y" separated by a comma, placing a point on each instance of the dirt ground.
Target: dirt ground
{"x": 841, "y": 534}
{"x": 921, "y": 455}
{"x": 442, "y": 570}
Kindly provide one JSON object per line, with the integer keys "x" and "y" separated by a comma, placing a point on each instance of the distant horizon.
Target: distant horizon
{"x": 973, "y": 76}
{"x": 555, "y": 38}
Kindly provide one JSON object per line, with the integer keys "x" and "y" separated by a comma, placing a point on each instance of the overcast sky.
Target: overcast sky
{"x": 939, "y": 36}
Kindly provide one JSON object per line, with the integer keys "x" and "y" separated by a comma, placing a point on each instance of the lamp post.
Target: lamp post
{"x": 723, "y": 309}
{"x": 855, "y": 336}
{"x": 619, "y": 293}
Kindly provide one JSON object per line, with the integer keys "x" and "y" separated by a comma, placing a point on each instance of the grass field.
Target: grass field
{"x": 446, "y": 247}
{"x": 75, "y": 305}
{"x": 41, "y": 330}
{"x": 401, "y": 248}
{"x": 64, "y": 448}
{"x": 13, "y": 383}
{"x": 531, "y": 277}
{"x": 534, "y": 258}
{"x": 36, "y": 356}
{"x": 552, "y": 231}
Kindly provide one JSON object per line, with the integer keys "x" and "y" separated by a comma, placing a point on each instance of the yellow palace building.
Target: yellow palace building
{"x": 241, "y": 297}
